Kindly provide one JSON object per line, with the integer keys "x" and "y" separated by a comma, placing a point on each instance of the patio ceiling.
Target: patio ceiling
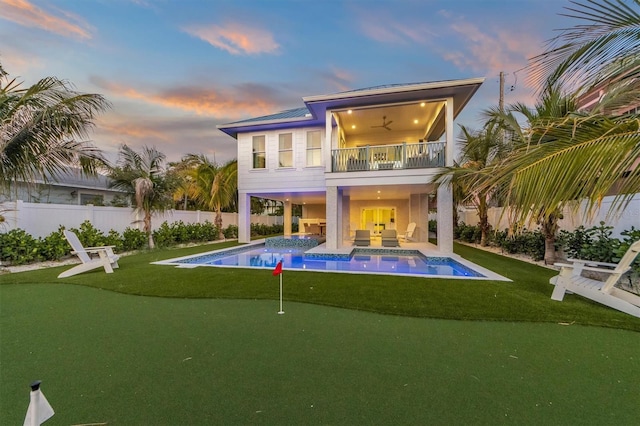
{"x": 356, "y": 193}
{"x": 413, "y": 121}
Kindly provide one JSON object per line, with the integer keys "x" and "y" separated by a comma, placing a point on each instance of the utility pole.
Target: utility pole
{"x": 501, "y": 99}
{"x": 501, "y": 105}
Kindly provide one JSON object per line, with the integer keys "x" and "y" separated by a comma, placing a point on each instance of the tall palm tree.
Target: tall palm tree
{"x": 213, "y": 185}
{"x": 581, "y": 155}
{"x": 43, "y": 129}
{"x": 141, "y": 174}
{"x": 530, "y": 136}
{"x": 481, "y": 149}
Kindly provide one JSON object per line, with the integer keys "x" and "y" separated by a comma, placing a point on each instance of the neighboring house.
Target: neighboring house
{"x": 69, "y": 188}
{"x": 360, "y": 159}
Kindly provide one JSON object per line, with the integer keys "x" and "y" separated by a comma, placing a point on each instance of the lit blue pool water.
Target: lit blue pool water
{"x": 362, "y": 261}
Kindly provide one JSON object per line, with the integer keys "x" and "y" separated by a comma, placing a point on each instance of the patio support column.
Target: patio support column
{"x": 445, "y": 218}
{"x": 332, "y": 217}
{"x": 345, "y": 219}
{"x": 287, "y": 217}
{"x": 450, "y": 149}
{"x": 244, "y": 217}
{"x": 328, "y": 142}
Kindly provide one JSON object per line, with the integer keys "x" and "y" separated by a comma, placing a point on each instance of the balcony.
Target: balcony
{"x": 389, "y": 157}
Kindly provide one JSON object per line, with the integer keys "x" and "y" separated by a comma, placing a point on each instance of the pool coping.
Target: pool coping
{"x": 345, "y": 251}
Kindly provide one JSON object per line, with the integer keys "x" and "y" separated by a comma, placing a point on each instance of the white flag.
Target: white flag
{"x": 39, "y": 410}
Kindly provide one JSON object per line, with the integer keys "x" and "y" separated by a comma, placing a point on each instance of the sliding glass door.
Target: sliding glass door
{"x": 377, "y": 219}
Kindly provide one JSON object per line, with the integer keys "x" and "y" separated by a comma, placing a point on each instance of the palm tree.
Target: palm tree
{"x": 603, "y": 52}
{"x": 602, "y": 48}
{"x": 212, "y": 185}
{"x": 569, "y": 155}
{"x": 530, "y": 136}
{"x": 141, "y": 174}
{"x": 43, "y": 130}
{"x": 481, "y": 149}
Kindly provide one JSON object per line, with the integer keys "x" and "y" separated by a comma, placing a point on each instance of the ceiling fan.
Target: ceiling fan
{"x": 385, "y": 123}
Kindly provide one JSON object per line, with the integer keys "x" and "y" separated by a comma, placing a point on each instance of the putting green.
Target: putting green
{"x": 129, "y": 360}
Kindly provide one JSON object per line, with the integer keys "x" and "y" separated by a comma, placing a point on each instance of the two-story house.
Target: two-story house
{"x": 361, "y": 159}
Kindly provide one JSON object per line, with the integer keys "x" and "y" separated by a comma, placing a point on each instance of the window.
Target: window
{"x": 314, "y": 148}
{"x": 285, "y": 156}
{"x": 259, "y": 153}
{"x": 95, "y": 199}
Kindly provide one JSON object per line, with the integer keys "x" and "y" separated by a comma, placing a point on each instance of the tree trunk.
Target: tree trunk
{"x": 147, "y": 229}
{"x": 549, "y": 249}
{"x": 218, "y": 223}
{"x": 484, "y": 219}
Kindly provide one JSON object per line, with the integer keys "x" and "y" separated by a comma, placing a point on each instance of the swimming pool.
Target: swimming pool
{"x": 363, "y": 261}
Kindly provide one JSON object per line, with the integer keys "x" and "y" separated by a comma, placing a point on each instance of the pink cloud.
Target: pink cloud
{"x": 238, "y": 102}
{"x": 237, "y": 39}
{"x": 26, "y": 14}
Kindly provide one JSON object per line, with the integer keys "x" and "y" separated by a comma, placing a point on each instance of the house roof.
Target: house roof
{"x": 316, "y": 106}
{"x": 73, "y": 179}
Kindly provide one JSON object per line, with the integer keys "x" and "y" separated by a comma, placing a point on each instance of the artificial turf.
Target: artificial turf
{"x": 119, "y": 359}
{"x": 527, "y": 298}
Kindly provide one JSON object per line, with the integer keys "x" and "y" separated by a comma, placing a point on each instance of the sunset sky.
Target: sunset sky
{"x": 174, "y": 69}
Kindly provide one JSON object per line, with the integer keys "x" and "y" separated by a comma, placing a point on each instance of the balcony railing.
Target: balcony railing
{"x": 389, "y": 157}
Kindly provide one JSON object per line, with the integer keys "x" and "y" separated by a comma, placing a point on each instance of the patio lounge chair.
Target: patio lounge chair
{"x": 389, "y": 238}
{"x": 408, "y": 235}
{"x": 571, "y": 279}
{"x": 363, "y": 237}
{"x": 106, "y": 259}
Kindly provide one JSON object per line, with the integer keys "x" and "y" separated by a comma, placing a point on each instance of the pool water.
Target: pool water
{"x": 360, "y": 261}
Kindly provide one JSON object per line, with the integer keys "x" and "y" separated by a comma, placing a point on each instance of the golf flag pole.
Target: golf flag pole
{"x": 278, "y": 271}
{"x": 39, "y": 410}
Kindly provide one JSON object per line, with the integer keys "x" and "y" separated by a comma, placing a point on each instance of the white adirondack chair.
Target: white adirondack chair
{"x": 106, "y": 258}
{"x": 571, "y": 279}
{"x": 408, "y": 235}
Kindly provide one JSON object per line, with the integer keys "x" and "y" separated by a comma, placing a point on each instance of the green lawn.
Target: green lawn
{"x": 201, "y": 356}
{"x": 527, "y": 298}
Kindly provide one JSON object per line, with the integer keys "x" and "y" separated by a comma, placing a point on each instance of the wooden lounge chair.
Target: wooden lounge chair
{"x": 408, "y": 235}
{"x": 363, "y": 237}
{"x": 106, "y": 258}
{"x": 389, "y": 238}
{"x": 571, "y": 279}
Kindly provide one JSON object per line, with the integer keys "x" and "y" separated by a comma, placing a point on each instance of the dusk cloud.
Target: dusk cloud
{"x": 27, "y": 14}
{"x": 239, "y": 101}
{"x": 235, "y": 38}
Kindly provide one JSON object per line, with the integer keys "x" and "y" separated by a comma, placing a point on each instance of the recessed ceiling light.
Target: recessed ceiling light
{"x": 378, "y": 192}
{"x": 415, "y": 121}
{"x": 349, "y": 112}
{"x": 378, "y": 198}
{"x": 422, "y": 104}
{"x": 353, "y": 126}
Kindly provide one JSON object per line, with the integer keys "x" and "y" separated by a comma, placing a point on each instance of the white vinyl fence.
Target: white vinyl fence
{"x": 40, "y": 220}
{"x": 624, "y": 220}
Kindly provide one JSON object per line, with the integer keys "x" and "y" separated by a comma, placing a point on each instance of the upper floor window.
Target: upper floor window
{"x": 285, "y": 154}
{"x": 259, "y": 152}
{"x": 314, "y": 148}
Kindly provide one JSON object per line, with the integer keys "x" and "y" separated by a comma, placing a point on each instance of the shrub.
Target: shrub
{"x": 163, "y": 236}
{"x": 133, "y": 239}
{"x": 572, "y": 242}
{"x": 54, "y": 246}
{"x": 89, "y": 235}
{"x": 18, "y": 247}
{"x": 231, "y": 232}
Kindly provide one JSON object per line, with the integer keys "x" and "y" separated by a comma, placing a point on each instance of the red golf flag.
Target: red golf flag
{"x": 278, "y": 269}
